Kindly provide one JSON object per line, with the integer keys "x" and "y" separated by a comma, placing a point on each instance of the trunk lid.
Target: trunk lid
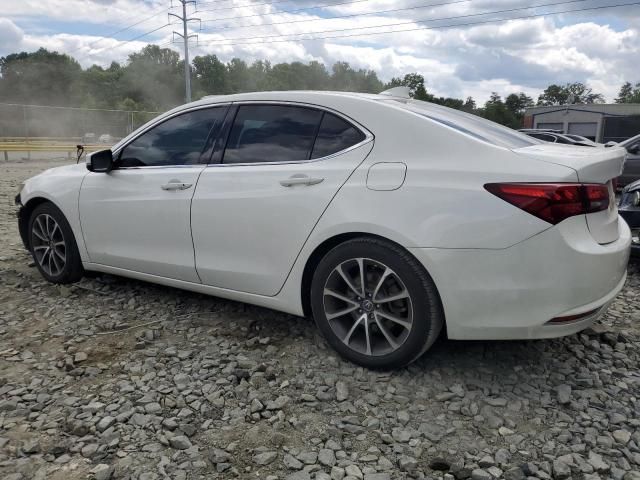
{"x": 592, "y": 165}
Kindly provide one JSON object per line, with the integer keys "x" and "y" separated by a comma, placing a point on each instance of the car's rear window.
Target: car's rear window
{"x": 469, "y": 124}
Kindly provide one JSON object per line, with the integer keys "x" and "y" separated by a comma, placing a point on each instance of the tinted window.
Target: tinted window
{"x": 560, "y": 139}
{"x": 467, "y": 123}
{"x": 178, "y": 141}
{"x": 543, "y": 136}
{"x": 272, "y": 133}
{"x": 335, "y": 134}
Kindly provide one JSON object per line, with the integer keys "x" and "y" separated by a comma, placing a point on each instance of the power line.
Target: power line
{"x": 420, "y": 28}
{"x": 378, "y": 12}
{"x": 313, "y": 7}
{"x": 124, "y": 29}
{"x": 455, "y": 17}
{"x": 248, "y": 5}
{"x": 130, "y": 40}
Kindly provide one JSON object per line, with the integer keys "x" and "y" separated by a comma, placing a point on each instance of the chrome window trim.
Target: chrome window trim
{"x": 368, "y": 136}
{"x": 160, "y": 120}
{"x": 293, "y": 162}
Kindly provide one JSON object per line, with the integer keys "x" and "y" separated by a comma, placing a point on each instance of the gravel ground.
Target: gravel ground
{"x": 113, "y": 378}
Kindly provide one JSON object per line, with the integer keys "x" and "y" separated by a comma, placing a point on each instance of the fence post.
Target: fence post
{"x": 26, "y": 129}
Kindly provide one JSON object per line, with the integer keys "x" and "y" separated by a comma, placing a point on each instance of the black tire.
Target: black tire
{"x": 427, "y": 314}
{"x": 71, "y": 269}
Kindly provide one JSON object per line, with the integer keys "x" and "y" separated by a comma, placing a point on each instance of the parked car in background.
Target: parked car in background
{"x": 106, "y": 138}
{"x": 631, "y": 171}
{"x": 89, "y": 138}
{"x": 355, "y": 209}
{"x": 629, "y": 208}
{"x": 567, "y": 139}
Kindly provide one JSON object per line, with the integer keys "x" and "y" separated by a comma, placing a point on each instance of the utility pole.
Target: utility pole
{"x": 185, "y": 37}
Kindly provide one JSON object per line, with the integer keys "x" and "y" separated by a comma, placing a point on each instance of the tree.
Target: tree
{"x": 154, "y": 77}
{"x": 571, "y": 93}
{"x": 208, "y": 76}
{"x": 42, "y": 77}
{"x": 628, "y": 93}
{"x": 496, "y": 110}
{"x": 415, "y": 82}
{"x": 469, "y": 105}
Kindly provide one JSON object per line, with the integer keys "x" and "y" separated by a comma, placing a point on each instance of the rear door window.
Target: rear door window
{"x": 272, "y": 133}
{"x": 335, "y": 135}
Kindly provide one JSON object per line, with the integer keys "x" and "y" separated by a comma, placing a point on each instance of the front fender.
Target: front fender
{"x": 60, "y": 186}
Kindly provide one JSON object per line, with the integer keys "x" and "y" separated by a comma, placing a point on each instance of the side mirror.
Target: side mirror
{"x": 100, "y": 162}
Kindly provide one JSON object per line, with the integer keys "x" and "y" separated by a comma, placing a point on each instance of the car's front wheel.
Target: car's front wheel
{"x": 375, "y": 303}
{"x": 53, "y": 245}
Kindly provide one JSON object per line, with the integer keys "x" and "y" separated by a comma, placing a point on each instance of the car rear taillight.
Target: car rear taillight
{"x": 553, "y": 202}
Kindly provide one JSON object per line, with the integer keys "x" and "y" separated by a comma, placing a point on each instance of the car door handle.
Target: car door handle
{"x": 300, "y": 180}
{"x": 174, "y": 185}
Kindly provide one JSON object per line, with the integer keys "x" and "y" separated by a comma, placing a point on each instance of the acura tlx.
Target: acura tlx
{"x": 389, "y": 220}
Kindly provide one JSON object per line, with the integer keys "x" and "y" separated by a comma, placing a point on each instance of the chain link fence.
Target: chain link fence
{"x": 31, "y": 128}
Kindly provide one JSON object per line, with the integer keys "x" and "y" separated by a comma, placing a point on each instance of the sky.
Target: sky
{"x": 462, "y": 47}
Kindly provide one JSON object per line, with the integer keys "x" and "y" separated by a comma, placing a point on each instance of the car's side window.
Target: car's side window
{"x": 177, "y": 141}
{"x": 335, "y": 135}
{"x": 272, "y": 133}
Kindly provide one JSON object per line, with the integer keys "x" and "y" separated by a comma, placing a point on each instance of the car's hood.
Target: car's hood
{"x": 597, "y": 165}
{"x": 65, "y": 169}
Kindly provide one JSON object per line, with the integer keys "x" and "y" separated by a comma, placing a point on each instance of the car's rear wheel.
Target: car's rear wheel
{"x": 53, "y": 245}
{"x": 375, "y": 303}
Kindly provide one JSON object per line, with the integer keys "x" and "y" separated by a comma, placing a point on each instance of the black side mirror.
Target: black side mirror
{"x": 101, "y": 162}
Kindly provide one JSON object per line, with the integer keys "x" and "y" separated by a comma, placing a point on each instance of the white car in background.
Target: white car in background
{"x": 106, "y": 138}
{"x": 387, "y": 219}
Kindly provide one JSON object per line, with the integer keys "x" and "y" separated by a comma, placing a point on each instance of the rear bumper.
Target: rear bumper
{"x": 513, "y": 293}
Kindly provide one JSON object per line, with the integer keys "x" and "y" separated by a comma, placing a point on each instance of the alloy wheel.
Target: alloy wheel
{"x": 48, "y": 245}
{"x": 368, "y": 306}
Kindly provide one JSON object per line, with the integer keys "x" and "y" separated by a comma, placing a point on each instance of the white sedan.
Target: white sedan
{"x": 387, "y": 219}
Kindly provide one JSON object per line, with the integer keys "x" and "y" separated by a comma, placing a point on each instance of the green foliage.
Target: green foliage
{"x": 569, "y": 94}
{"x": 41, "y": 77}
{"x": 153, "y": 79}
{"x": 629, "y": 93}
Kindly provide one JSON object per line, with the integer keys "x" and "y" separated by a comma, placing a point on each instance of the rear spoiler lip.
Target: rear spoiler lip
{"x": 592, "y": 165}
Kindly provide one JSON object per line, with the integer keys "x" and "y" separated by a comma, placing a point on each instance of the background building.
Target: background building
{"x": 599, "y": 122}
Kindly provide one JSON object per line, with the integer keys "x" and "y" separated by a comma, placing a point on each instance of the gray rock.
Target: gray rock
{"x": 621, "y": 436}
{"x": 342, "y": 391}
{"x": 337, "y": 473}
{"x": 353, "y": 471}
{"x": 561, "y": 470}
{"x": 104, "y": 423}
{"x": 264, "y": 458}
{"x": 479, "y": 474}
{"x": 31, "y": 446}
{"x": 326, "y": 457}
{"x": 564, "y": 393}
{"x": 102, "y": 471}
{"x": 180, "y": 442}
{"x": 291, "y": 462}
{"x": 514, "y": 473}
{"x": 298, "y": 476}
